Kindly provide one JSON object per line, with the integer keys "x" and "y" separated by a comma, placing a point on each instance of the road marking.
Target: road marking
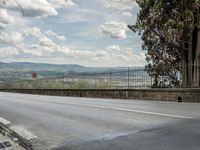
{"x": 123, "y": 109}
{"x": 118, "y": 109}
{"x": 132, "y": 110}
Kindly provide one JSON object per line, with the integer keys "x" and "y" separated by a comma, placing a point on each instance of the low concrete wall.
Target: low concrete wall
{"x": 187, "y": 95}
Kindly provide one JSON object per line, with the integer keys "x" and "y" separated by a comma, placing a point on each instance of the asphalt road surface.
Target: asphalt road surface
{"x": 69, "y": 123}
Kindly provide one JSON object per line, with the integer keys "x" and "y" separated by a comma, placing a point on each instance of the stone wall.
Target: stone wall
{"x": 187, "y": 95}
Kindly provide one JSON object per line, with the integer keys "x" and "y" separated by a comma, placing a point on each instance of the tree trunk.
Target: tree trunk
{"x": 197, "y": 62}
{"x": 191, "y": 61}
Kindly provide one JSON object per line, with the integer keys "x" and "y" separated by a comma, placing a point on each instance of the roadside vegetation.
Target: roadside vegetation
{"x": 54, "y": 84}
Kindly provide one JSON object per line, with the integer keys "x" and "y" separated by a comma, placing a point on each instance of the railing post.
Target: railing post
{"x": 95, "y": 78}
{"x": 128, "y": 77}
{"x": 83, "y": 80}
{"x": 72, "y": 80}
{"x": 198, "y": 77}
{"x": 110, "y": 78}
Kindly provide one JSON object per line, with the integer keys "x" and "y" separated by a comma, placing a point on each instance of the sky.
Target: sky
{"x": 85, "y": 32}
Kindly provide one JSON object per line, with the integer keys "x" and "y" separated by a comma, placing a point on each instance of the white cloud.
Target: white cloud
{"x": 2, "y": 26}
{"x": 114, "y": 29}
{"x": 37, "y": 8}
{"x": 50, "y": 33}
{"x": 11, "y": 38}
{"x": 62, "y": 3}
{"x": 113, "y": 47}
{"x": 31, "y": 8}
{"x": 44, "y": 48}
{"x": 8, "y": 52}
{"x": 34, "y": 32}
{"x": 5, "y": 19}
{"x": 59, "y": 37}
{"x": 44, "y": 41}
{"x": 40, "y": 37}
{"x": 122, "y": 5}
{"x": 17, "y": 38}
{"x": 62, "y": 38}
{"x": 76, "y": 18}
{"x": 98, "y": 56}
{"x": 32, "y": 44}
{"x": 127, "y": 14}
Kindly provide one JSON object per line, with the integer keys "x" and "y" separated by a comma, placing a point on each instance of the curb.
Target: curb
{"x": 21, "y": 139}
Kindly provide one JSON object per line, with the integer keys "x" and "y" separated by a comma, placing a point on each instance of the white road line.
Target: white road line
{"x": 118, "y": 109}
{"x": 123, "y": 109}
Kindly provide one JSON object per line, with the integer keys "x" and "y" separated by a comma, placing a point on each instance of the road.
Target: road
{"x": 69, "y": 123}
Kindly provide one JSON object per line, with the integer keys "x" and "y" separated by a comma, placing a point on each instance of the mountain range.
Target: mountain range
{"x": 24, "y": 70}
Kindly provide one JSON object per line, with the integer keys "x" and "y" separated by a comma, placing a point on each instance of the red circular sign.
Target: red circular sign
{"x": 34, "y": 75}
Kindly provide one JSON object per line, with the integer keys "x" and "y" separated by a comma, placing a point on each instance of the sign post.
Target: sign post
{"x": 34, "y": 75}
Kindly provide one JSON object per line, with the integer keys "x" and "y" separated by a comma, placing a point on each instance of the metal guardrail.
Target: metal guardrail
{"x": 112, "y": 78}
{"x": 185, "y": 76}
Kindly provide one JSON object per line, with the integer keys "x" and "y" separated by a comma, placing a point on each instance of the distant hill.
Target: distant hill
{"x": 23, "y": 70}
{"x": 25, "y": 66}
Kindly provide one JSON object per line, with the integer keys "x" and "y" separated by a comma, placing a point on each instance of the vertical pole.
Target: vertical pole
{"x": 83, "y": 79}
{"x": 180, "y": 75}
{"x": 128, "y": 77}
{"x": 198, "y": 75}
{"x": 136, "y": 77}
{"x": 95, "y": 79}
{"x": 72, "y": 81}
{"x": 110, "y": 78}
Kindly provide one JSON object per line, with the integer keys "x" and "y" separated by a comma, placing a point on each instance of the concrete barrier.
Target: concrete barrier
{"x": 186, "y": 95}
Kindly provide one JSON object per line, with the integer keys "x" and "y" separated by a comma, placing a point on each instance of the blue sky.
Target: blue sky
{"x": 85, "y": 32}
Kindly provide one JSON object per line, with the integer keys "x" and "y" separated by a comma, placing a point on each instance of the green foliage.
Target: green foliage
{"x": 165, "y": 27}
{"x": 55, "y": 84}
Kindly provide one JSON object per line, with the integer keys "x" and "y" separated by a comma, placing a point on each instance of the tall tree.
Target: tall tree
{"x": 167, "y": 28}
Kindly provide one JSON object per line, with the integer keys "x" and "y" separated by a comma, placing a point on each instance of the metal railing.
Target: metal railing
{"x": 125, "y": 78}
{"x": 182, "y": 76}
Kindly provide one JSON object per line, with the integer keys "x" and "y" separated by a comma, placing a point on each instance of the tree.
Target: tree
{"x": 167, "y": 29}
